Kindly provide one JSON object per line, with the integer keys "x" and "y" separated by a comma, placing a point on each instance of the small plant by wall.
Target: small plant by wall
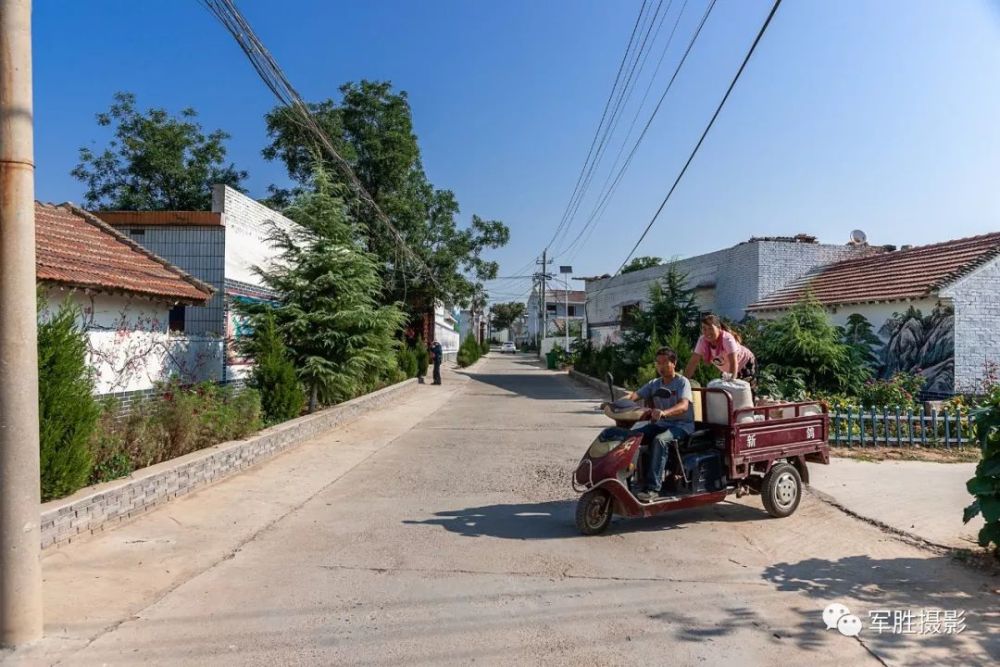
{"x": 67, "y": 410}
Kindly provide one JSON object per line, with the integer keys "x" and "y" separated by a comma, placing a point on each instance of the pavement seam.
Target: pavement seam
{"x": 531, "y": 575}
{"x": 897, "y": 533}
{"x": 137, "y": 615}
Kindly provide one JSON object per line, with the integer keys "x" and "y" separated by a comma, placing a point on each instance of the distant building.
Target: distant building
{"x": 725, "y": 282}
{"x": 562, "y": 307}
{"x": 126, "y": 295}
{"x": 221, "y": 247}
{"x": 936, "y": 308}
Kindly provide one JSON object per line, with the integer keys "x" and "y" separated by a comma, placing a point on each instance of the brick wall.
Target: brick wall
{"x": 97, "y": 508}
{"x": 725, "y": 281}
{"x": 781, "y": 263}
{"x": 201, "y": 252}
{"x": 976, "y": 299}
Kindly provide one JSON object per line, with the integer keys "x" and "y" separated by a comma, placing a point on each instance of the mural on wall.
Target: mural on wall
{"x": 921, "y": 344}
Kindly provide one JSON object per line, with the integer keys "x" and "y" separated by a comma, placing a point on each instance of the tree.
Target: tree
{"x": 273, "y": 374}
{"x": 640, "y": 263}
{"x": 67, "y": 410}
{"x": 155, "y": 162}
{"x": 372, "y": 129}
{"x": 341, "y": 339}
{"x": 805, "y": 338}
{"x": 505, "y": 314}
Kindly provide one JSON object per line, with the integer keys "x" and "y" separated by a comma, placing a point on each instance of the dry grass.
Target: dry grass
{"x": 935, "y": 454}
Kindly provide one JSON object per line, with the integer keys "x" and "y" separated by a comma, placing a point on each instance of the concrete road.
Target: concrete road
{"x": 442, "y": 532}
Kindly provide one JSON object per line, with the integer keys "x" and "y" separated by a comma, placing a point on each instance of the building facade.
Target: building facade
{"x": 562, "y": 308}
{"x": 124, "y": 295}
{"x": 935, "y": 309}
{"x": 725, "y": 282}
{"x": 220, "y": 247}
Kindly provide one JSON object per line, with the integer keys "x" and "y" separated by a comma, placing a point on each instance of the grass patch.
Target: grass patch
{"x": 933, "y": 454}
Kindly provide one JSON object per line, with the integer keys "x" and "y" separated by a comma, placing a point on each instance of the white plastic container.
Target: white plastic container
{"x": 716, "y": 409}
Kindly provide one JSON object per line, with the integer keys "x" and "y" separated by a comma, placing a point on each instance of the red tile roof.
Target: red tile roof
{"x": 904, "y": 274}
{"x": 73, "y": 247}
{"x": 162, "y": 218}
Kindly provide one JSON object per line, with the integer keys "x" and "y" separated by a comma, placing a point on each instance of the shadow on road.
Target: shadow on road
{"x": 899, "y": 585}
{"x": 555, "y": 519}
{"x": 538, "y": 387}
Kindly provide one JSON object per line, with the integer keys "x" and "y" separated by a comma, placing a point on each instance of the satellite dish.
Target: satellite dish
{"x": 858, "y": 237}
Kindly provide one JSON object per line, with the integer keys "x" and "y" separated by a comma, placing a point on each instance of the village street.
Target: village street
{"x": 442, "y": 532}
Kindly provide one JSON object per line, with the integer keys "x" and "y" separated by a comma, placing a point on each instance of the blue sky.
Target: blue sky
{"x": 873, "y": 114}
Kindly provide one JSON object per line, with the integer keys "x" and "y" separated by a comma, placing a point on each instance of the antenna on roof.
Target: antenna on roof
{"x": 858, "y": 237}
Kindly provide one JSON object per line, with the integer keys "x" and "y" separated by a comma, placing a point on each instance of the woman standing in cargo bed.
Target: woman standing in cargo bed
{"x": 722, "y": 348}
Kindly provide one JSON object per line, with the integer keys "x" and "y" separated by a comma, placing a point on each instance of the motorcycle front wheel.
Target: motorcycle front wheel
{"x": 593, "y": 512}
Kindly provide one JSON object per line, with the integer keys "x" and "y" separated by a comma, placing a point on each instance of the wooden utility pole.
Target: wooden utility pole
{"x": 20, "y": 537}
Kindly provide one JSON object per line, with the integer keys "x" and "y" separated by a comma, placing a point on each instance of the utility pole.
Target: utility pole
{"x": 20, "y": 537}
{"x": 545, "y": 261}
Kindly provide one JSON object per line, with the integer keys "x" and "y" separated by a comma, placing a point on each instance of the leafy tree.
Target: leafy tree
{"x": 372, "y": 129}
{"x": 640, "y": 263}
{"x": 341, "y": 339}
{"x": 860, "y": 336}
{"x": 505, "y": 314}
{"x": 155, "y": 162}
{"x": 67, "y": 410}
{"x": 805, "y": 339}
{"x": 273, "y": 375}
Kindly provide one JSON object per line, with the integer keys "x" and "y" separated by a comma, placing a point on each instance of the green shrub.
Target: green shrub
{"x": 899, "y": 390}
{"x": 407, "y": 361}
{"x": 484, "y": 348}
{"x": 67, "y": 410}
{"x": 423, "y": 357}
{"x": 985, "y": 486}
{"x": 469, "y": 352}
{"x": 273, "y": 375}
{"x": 181, "y": 420}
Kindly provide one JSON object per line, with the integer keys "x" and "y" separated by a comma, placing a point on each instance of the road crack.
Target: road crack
{"x": 532, "y": 575}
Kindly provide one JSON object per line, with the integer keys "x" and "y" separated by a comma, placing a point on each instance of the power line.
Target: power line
{"x": 606, "y": 196}
{"x": 708, "y": 127}
{"x": 597, "y": 132}
{"x": 635, "y": 70}
{"x": 273, "y": 77}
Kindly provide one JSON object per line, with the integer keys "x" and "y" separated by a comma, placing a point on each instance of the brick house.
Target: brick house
{"x": 125, "y": 294}
{"x": 219, "y": 247}
{"x": 936, "y": 308}
{"x": 725, "y": 282}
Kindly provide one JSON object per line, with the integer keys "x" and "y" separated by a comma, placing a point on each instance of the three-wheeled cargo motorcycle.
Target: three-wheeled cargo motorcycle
{"x": 758, "y": 450}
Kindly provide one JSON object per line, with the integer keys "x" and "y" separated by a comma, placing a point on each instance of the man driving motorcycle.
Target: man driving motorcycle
{"x": 672, "y": 418}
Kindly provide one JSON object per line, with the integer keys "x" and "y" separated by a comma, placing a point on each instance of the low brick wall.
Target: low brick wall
{"x": 594, "y": 383}
{"x": 96, "y": 508}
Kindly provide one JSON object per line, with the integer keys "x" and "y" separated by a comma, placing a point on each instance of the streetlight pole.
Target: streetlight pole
{"x": 566, "y": 271}
{"x": 20, "y": 537}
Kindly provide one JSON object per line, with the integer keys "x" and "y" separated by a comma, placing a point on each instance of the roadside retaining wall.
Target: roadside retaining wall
{"x": 106, "y": 505}
{"x": 594, "y": 383}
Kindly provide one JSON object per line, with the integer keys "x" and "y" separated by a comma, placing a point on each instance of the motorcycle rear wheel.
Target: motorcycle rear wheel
{"x": 593, "y": 512}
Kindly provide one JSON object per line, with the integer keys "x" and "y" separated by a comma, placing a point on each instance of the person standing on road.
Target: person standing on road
{"x": 436, "y": 358}
{"x": 672, "y": 419}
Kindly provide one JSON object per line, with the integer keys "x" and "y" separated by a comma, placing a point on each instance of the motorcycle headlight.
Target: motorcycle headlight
{"x": 608, "y": 440}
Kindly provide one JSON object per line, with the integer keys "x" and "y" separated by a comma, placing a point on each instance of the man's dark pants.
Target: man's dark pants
{"x": 657, "y": 438}
{"x": 437, "y": 371}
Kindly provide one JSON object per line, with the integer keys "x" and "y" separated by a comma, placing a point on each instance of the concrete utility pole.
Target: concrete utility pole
{"x": 543, "y": 276}
{"x": 20, "y": 538}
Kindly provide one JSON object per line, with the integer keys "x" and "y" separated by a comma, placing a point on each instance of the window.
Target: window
{"x": 551, "y": 307}
{"x": 629, "y": 314}
{"x": 137, "y": 234}
{"x": 176, "y": 318}
{"x": 572, "y": 311}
